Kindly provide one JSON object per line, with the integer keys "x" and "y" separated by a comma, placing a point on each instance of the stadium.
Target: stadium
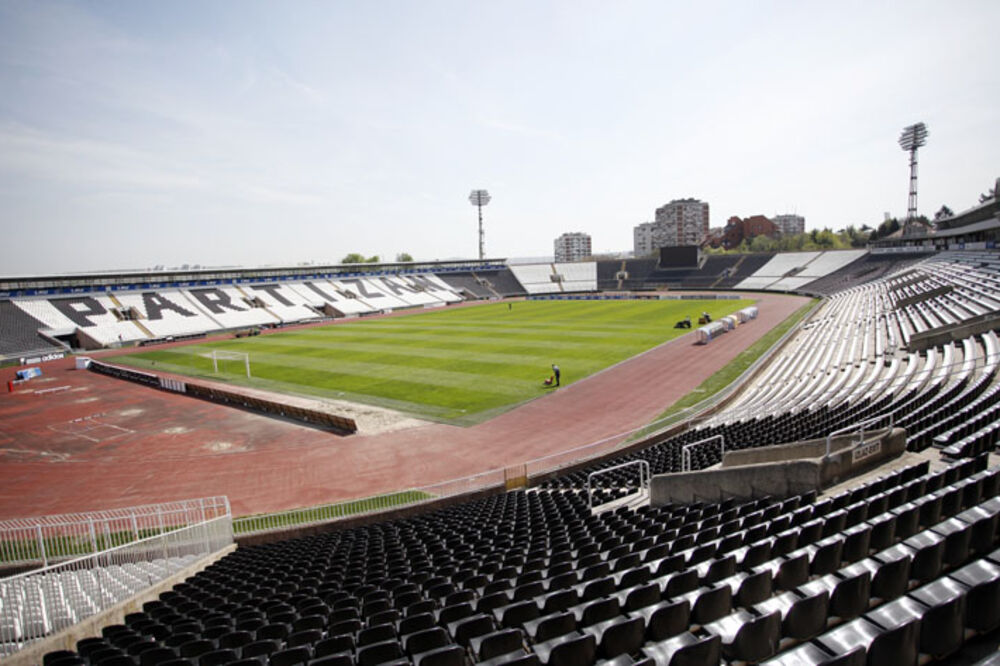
{"x": 370, "y": 465}
{"x": 704, "y": 396}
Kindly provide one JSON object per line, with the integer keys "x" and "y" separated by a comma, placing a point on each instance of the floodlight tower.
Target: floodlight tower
{"x": 912, "y": 138}
{"x": 480, "y": 198}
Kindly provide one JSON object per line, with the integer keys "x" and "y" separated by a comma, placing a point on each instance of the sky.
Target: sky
{"x": 242, "y": 133}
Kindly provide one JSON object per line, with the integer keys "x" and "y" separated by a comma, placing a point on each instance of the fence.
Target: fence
{"x": 367, "y": 505}
{"x": 50, "y": 539}
{"x": 38, "y": 603}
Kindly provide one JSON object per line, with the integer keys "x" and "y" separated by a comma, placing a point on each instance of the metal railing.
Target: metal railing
{"x": 38, "y": 603}
{"x": 48, "y": 539}
{"x": 374, "y": 504}
{"x": 858, "y": 428}
{"x": 686, "y": 451}
{"x": 644, "y": 477}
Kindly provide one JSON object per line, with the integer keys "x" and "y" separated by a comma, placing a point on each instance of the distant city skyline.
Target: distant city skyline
{"x": 255, "y": 133}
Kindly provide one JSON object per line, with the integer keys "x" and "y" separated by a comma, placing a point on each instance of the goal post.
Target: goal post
{"x": 223, "y": 355}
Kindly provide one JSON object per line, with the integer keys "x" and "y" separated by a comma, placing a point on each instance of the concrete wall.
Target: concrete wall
{"x": 716, "y": 485}
{"x": 782, "y": 471}
{"x": 984, "y": 323}
{"x": 67, "y": 638}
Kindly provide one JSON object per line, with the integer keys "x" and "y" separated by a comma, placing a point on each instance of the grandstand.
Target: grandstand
{"x": 898, "y": 565}
{"x": 557, "y": 277}
{"x": 86, "y": 312}
{"x": 19, "y": 333}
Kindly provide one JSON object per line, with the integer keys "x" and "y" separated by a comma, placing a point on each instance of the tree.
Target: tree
{"x": 857, "y": 237}
{"x": 885, "y": 229}
{"x": 762, "y": 244}
{"x": 943, "y": 214}
{"x": 825, "y": 239}
{"x": 404, "y": 256}
{"x": 358, "y": 258}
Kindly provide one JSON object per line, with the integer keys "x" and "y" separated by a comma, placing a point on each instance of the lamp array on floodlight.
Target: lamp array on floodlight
{"x": 913, "y": 136}
{"x": 480, "y": 198}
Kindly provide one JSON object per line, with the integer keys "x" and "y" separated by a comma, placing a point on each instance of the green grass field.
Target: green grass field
{"x": 455, "y": 365}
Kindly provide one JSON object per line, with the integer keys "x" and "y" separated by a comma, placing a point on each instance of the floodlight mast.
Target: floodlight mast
{"x": 913, "y": 137}
{"x": 480, "y": 198}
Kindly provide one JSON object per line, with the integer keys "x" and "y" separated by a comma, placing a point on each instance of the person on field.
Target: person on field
{"x": 555, "y": 371}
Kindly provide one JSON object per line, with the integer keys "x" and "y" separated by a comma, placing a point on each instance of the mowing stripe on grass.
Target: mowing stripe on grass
{"x": 455, "y": 365}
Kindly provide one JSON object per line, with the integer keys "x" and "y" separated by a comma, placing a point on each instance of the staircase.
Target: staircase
{"x": 732, "y": 272}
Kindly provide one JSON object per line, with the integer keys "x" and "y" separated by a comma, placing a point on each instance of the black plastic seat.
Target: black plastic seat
{"x": 276, "y": 630}
{"x": 596, "y": 589}
{"x": 412, "y": 623}
{"x": 747, "y": 636}
{"x": 957, "y": 539}
{"x": 849, "y": 593}
{"x": 447, "y": 655}
{"x": 376, "y": 634}
{"x": 467, "y": 628}
{"x": 340, "y": 659}
{"x": 883, "y": 533}
{"x": 907, "y": 520}
{"x": 898, "y": 645}
{"x": 72, "y": 659}
{"x": 825, "y": 555}
{"x": 504, "y": 641}
{"x": 196, "y": 648}
{"x": 597, "y": 610}
{"x": 516, "y": 614}
{"x": 425, "y": 640}
{"x": 927, "y": 549}
{"x": 115, "y": 660}
{"x": 234, "y": 639}
{"x": 57, "y": 655}
{"x": 710, "y": 603}
{"x": 685, "y": 648}
{"x": 618, "y": 635}
{"x": 218, "y": 657}
{"x": 984, "y": 525}
{"x": 549, "y": 626}
{"x": 290, "y": 656}
{"x": 857, "y": 543}
{"x": 638, "y": 596}
{"x": 982, "y": 582}
{"x": 157, "y": 656}
{"x": 802, "y": 617}
{"x": 809, "y": 654}
{"x": 787, "y": 573}
{"x": 379, "y": 653}
{"x": 678, "y": 583}
{"x": 449, "y": 614}
{"x": 518, "y": 658}
{"x": 333, "y": 645}
{"x": 572, "y": 649}
{"x": 560, "y": 600}
{"x": 261, "y": 648}
{"x": 943, "y": 622}
{"x": 665, "y": 619}
{"x": 304, "y": 637}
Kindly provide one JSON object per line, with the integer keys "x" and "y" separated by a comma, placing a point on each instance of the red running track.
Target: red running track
{"x": 96, "y": 443}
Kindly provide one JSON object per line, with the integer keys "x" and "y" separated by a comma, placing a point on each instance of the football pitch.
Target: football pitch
{"x": 458, "y": 365}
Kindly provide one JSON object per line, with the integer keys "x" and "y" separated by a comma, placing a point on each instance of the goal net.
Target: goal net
{"x": 226, "y": 360}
